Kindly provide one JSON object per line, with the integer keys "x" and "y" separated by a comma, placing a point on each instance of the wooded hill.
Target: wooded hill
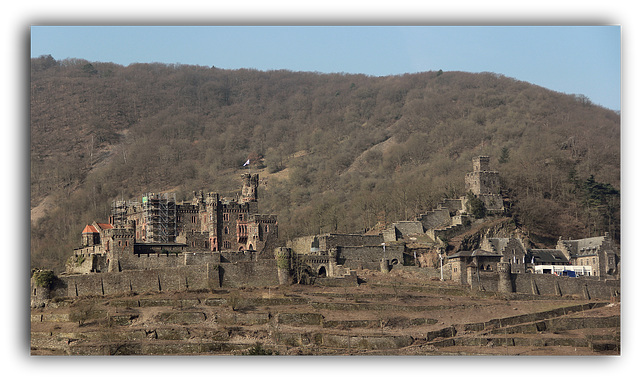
{"x": 338, "y": 152}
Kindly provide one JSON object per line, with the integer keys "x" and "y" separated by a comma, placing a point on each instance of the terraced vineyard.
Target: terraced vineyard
{"x": 393, "y": 314}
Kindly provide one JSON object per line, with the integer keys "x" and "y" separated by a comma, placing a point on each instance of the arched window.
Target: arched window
{"x": 226, "y": 230}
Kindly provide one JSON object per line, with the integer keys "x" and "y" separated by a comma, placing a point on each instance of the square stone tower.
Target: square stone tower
{"x": 484, "y": 183}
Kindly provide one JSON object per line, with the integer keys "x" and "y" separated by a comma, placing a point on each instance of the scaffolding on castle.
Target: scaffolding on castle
{"x": 159, "y": 217}
{"x": 119, "y": 211}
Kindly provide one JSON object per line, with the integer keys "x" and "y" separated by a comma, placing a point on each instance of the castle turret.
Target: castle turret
{"x": 283, "y": 264}
{"x": 505, "y": 285}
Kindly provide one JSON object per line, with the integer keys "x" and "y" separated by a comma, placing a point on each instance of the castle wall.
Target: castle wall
{"x": 368, "y": 257}
{"x": 245, "y": 273}
{"x": 302, "y": 245}
{"x": 231, "y": 257}
{"x": 348, "y": 240}
{"x": 139, "y": 281}
{"x": 194, "y": 276}
{"x": 453, "y": 204}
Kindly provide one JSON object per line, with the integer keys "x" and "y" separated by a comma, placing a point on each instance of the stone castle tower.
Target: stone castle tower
{"x": 484, "y": 183}
{"x": 249, "y": 188}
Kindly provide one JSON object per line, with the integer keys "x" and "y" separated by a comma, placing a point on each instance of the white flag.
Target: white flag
{"x": 246, "y": 163}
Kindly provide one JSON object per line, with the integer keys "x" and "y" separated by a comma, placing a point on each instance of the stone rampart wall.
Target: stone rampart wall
{"x": 151, "y": 261}
{"x": 232, "y": 257}
{"x": 249, "y": 273}
{"x": 195, "y": 276}
{"x": 139, "y": 281}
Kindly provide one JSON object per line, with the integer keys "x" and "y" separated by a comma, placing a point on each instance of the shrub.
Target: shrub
{"x": 44, "y": 278}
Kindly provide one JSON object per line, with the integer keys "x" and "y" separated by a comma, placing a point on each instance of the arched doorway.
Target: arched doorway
{"x": 322, "y": 272}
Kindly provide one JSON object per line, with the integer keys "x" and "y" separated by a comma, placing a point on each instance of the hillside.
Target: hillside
{"x": 337, "y": 152}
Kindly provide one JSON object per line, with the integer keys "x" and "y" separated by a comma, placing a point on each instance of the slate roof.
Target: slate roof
{"x": 547, "y": 256}
{"x": 476, "y": 253}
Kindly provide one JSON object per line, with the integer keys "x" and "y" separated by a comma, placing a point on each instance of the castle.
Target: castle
{"x": 160, "y": 244}
{"x": 160, "y": 226}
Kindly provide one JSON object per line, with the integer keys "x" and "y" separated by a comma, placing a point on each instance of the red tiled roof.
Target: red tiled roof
{"x": 89, "y": 229}
{"x": 105, "y": 226}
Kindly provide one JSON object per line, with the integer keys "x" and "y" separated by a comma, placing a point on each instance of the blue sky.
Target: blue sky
{"x": 572, "y": 59}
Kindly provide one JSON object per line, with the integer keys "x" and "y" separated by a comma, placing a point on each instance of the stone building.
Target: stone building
{"x": 511, "y": 250}
{"x": 464, "y": 265}
{"x": 484, "y": 183}
{"x": 595, "y": 257}
{"x": 157, "y": 224}
{"x": 336, "y": 255}
{"x": 598, "y": 252}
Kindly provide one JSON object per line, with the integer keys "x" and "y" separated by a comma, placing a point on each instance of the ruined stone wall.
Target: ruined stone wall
{"x": 301, "y": 245}
{"x": 453, "y": 204}
{"x": 369, "y": 257}
{"x": 84, "y": 262}
{"x": 492, "y": 202}
{"x": 348, "y": 240}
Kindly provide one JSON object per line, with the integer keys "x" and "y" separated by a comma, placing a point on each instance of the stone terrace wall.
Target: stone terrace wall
{"x": 546, "y": 284}
{"x": 584, "y": 287}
